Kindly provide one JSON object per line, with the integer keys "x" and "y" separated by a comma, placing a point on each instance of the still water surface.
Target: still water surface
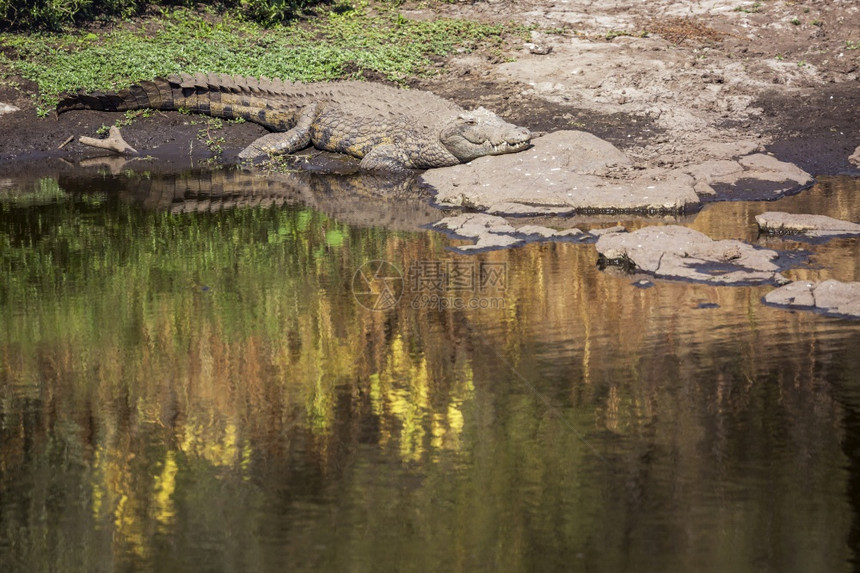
{"x": 203, "y": 392}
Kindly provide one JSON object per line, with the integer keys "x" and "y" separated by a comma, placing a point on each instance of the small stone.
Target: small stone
{"x": 538, "y": 49}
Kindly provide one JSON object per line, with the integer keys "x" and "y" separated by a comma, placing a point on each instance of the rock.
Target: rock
{"x": 677, "y": 252}
{"x": 538, "y": 49}
{"x": 515, "y": 209}
{"x": 855, "y": 157}
{"x": 608, "y": 230}
{"x": 571, "y": 234}
{"x": 536, "y": 231}
{"x": 7, "y": 108}
{"x": 560, "y": 174}
{"x": 566, "y": 172}
{"x": 812, "y": 225}
{"x": 755, "y": 176}
{"x": 715, "y": 171}
{"x": 830, "y": 297}
{"x": 492, "y": 232}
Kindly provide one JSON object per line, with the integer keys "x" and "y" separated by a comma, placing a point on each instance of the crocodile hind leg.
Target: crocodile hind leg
{"x": 295, "y": 139}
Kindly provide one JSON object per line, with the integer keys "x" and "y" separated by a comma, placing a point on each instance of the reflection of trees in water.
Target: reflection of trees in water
{"x": 173, "y": 380}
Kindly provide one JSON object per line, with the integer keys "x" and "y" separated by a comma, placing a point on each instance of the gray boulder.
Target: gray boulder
{"x": 754, "y": 176}
{"x": 676, "y": 252}
{"x": 830, "y": 297}
{"x": 493, "y": 232}
{"x": 564, "y": 172}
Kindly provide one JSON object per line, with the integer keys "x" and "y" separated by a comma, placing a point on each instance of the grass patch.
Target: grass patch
{"x": 748, "y": 8}
{"x": 340, "y": 43}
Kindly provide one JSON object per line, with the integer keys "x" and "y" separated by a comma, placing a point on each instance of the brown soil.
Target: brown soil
{"x": 654, "y": 78}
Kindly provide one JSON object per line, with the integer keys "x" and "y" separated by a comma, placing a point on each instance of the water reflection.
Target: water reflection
{"x": 361, "y": 199}
{"x": 201, "y": 390}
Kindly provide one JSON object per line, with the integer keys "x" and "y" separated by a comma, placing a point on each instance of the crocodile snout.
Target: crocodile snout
{"x": 520, "y": 135}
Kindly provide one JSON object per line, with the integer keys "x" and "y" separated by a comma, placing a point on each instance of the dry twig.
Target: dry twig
{"x": 113, "y": 142}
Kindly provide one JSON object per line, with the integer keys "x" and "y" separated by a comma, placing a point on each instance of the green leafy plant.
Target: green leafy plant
{"x": 754, "y": 8}
{"x": 340, "y": 44}
{"x": 57, "y": 14}
{"x": 215, "y": 143}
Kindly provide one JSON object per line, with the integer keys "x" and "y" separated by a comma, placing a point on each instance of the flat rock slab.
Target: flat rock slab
{"x": 7, "y": 108}
{"x": 751, "y": 177}
{"x": 493, "y": 232}
{"x": 676, "y": 252}
{"x": 560, "y": 174}
{"x": 781, "y": 223}
{"x": 567, "y": 172}
{"x": 830, "y": 297}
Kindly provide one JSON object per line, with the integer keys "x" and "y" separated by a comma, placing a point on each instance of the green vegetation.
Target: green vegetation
{"x": 56, "y": 14}
{"x": 207, "y": 135}
{"x": 754, "y": 8}
{"x": 345, "y": 42}
{"x": 127, "y": 119}
{"x": 612, "y": 34}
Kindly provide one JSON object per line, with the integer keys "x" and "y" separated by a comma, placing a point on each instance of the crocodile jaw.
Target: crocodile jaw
{"x": 481, "y": 132}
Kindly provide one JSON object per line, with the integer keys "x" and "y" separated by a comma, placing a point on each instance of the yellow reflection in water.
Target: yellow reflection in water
{"x": 165, "y": 486}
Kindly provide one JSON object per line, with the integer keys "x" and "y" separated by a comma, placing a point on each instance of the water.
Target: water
{"x": 202, "y": 391}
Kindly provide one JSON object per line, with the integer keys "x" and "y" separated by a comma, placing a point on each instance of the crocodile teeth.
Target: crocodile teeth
{"x": 510, "y": 147}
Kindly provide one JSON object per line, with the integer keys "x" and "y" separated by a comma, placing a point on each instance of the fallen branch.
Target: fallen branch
{"x": 113, "y": 142}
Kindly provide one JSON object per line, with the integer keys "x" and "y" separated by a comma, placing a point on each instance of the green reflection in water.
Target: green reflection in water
{"x": 202, "y": 391}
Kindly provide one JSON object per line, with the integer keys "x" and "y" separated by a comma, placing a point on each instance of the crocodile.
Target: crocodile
{"x": 388, "y": 128}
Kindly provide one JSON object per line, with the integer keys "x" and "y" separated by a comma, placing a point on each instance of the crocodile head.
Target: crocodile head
{"x": 481, "y": 132}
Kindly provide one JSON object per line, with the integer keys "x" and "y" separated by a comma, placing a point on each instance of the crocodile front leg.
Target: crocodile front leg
{"x": 385, "y": 157}
{"x": 295, "y": 139}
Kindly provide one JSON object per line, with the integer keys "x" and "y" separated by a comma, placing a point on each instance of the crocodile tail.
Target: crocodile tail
{"x": 155, "y": 94}
{"x": 193, "y": 92}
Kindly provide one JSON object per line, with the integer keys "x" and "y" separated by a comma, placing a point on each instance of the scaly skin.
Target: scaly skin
{"x": 388, "y": 128}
